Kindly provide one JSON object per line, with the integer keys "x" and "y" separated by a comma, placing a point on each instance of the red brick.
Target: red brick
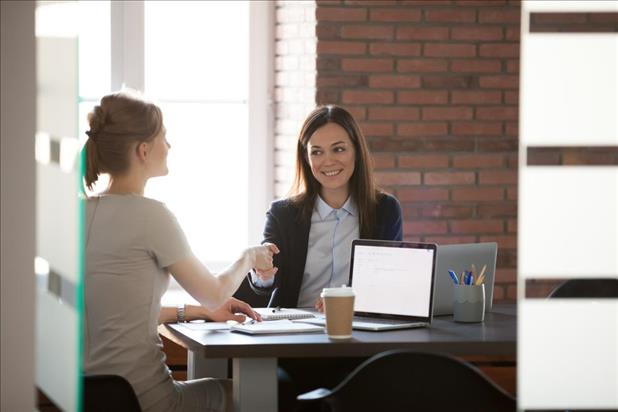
{"x": 449, "y": 82}
{"x": 341, "y": 47}
{"x": 511, "y": 292}
{"x": 371, "y": 2}
{"x": 476, "y": 33}
{"x": 511, "y": 97}
{"x": 395, "y": 49}
{"x": 481, "y": 3}
{"x": 449, "y": 240}
{"x": 558, "y": 18}
{"x": 367, "y": 65}
{"x": 603, "y": 17}
{"x": 422, "y": 33}
{"x": 422, "y": 129}
{"x": 503, "y": 209}
{"x": 450, "y": 15}
{"x": 394, "y": 113}
{"x": 394, "y": 81}
{"x": 449, "y": 178}
{"x": 340, "y": 14}
{"x": 449, "y": 50}
{"x": 349, "y": 80}
{"x": 497, "y": 113}
{"x": 511, "y": 129}
{"x": 512, "y": 66}
{"x": 359, "y": 113}
{"x": 423, "y": 161}
{"x": 446, "y": 211}
{"x": 512, "y": 226}
{"x": 477, "y": 128}
{"x": 477, "y": 194}
{"x": 499, "y": 82}
{"x": 367, "y": 32}
{"x": 422, "y": 97}
{"x": 476, "y": 66}
{"x": 367, "y": 96}
{"x": 383, "y": 160}
{"x": 421, "y": 195}
{"x": 326, "y": 31}
{"x": 498, "y": 293}
{"x": 500, "y": 15}
{"x": 424, "y": 227}
{"x": 476, "y": 226}
{"x": 422, "y": 65}
{"x": 503, "y": 275}
{"x": 425, "y": 2}
{"x": 499, "y": 50}
{"x": 512, "y": 34}
{"x": 448, "y": 144}
{"x": 377, "y": 129}
{"x": 492, "y": 177}
{"x": 478, "y": 161}
{"x": 499, "y": 144}
{"x": 398, "y": 178}
{"x": 464, "y": 96}
{"x": 395, "y": 15}
{"x": 447, "y": 113}
{"x": 511, "y": 193}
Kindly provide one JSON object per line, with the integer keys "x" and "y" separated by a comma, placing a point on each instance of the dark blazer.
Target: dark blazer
{"x": 286, "y": 229}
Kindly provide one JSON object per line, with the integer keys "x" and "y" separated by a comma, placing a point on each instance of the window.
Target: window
{"x": 194, "y": 60}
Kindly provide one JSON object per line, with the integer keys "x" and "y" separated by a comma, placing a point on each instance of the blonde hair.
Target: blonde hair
{"x": 118, "y": 122}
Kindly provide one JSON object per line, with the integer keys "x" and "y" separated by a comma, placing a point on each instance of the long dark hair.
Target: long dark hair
{"x": 117, "y": 122}
{"x": 306, "y": 188}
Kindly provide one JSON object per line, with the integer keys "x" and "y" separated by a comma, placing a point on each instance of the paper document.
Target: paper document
{"x": 276, "y": 326}
{"x": 205, "y": 325}
{"x": 283, "y": 313}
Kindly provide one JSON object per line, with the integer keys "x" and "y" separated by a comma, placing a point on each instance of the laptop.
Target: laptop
{"x": 459, "y": 258}
{"x": 393, "y": 284}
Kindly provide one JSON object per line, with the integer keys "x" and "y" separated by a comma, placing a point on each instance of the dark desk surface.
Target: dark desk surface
{"x": 495, "y": 336}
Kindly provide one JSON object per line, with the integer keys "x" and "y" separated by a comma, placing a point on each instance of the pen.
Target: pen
{"x": 273, "y": 295}
{"x": 453, "y": 276}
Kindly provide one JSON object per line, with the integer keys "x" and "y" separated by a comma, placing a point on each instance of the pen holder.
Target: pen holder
{"x": 469, "y": 303}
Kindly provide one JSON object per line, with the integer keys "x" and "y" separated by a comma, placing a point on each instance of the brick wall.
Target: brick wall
{"x": 434, "y": 85}
{"x": 295, "y": 72}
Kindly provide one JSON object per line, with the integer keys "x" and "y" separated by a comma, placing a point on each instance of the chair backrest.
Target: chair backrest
{"x": 406, "y": 381}
{"x": 587, "y": 288}
{"x": 106, "y": 393}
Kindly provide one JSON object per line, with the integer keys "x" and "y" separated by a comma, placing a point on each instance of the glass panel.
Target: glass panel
{"x": 58, "y": 208}
{"x": 568, "y": 222}
{"x": 567, "y": 354}
{"x": 578, "y": 106}
{"x": 207, "y": 184}
{"x": 186, "y": 59}
{"x": 94, "y": 49}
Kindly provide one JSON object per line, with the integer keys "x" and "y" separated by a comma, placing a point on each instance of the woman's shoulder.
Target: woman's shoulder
{"x": 387, "y": 201}
{"x": 144, "y": 205}
{"x": 286, "y": 206}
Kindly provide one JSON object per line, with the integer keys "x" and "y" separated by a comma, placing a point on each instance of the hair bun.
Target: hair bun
{"x": 96, "y": 119}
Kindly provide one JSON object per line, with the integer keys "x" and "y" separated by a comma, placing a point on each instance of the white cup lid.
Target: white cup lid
{"x": 342, "y": 291}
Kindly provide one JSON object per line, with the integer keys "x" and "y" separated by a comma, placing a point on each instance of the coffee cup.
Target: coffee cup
{"x": 339, "y": 309}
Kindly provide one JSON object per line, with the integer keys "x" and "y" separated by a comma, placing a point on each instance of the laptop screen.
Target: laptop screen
{"x": 392, "y": 278}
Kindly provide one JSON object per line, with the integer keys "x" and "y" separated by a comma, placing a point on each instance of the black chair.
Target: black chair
{"x": 107, "y": 393}
{"x": 407, "y": 381}
{"x": 586, "y": 288}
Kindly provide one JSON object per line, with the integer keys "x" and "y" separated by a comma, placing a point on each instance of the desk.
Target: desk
{"x": 255, "y": 357}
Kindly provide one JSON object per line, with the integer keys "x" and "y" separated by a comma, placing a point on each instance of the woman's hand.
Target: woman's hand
{"x": 229, "y": 311}
{"x": 319, "y": 305}
{"x": 263, "y": 260}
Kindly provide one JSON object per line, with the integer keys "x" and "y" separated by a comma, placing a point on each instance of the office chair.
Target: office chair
{"x": 107, "y": 393}
{"x": 404, "y": 381}
{"x": 586, "y": 288}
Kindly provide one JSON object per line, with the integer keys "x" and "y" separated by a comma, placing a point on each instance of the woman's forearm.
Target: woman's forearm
{"x": 169, "y": 314}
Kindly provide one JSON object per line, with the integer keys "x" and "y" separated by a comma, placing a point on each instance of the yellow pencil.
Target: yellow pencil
{"x": 481, "y": 276}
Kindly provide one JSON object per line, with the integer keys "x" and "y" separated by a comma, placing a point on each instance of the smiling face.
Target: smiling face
{"x": 331, "y": 157}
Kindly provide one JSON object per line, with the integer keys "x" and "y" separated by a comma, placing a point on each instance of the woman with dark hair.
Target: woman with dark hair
{"x": 133, "y": 244}
{"x": 333, "y": 201}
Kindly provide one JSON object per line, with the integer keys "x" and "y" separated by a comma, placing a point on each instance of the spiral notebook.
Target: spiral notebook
{"x": 276, "y": 326}
{"x": 283, "y": 313}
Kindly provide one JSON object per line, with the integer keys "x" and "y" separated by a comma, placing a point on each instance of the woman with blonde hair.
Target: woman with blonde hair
{"x": 133, "y": 244}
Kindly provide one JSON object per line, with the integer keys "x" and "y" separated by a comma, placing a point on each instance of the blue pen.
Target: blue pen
{"x": 453, "y": 276}
{"x": 468, "y": 277}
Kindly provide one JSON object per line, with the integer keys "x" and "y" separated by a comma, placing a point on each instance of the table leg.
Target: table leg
{"x": 200, "y": 367}
{"x": 255, "y": 384}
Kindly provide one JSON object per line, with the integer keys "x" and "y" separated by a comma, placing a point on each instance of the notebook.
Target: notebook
{"x": 393, "y": 283}
{"x": 283, "y": 313}
{"x": 459, "y": 258}
{"x": 275, "y": 326}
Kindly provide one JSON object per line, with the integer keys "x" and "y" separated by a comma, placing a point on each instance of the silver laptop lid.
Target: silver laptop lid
{"x": 459, "y": 258}
{"x": 393, "y": 280}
